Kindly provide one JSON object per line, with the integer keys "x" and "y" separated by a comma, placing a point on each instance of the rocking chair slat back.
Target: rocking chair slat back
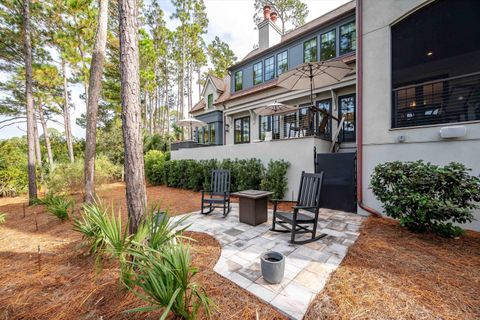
{"x": 310, "y": 187}
{"x": 220, "y": 182}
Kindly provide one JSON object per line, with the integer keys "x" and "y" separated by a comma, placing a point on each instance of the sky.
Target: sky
{"x": 231, "y": 20}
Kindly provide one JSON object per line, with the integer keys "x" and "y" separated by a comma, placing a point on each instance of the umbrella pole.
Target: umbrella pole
{"x": 311, "y": 84}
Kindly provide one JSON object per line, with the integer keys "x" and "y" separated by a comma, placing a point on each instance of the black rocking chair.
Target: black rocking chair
{"x": 219, "y": 194}
{"x": 309, "y": 200}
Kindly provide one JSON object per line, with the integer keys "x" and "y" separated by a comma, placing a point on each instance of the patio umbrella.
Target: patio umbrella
{"x": 313, "y": 74}
{"x": 275, "y": 108}
{"x": 192, "y": 123}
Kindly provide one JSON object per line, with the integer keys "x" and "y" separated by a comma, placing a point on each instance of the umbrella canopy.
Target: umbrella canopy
{"x": 190, "y": 122}
{"x": 313, "y": 74}
{"x": 275, "y": 108}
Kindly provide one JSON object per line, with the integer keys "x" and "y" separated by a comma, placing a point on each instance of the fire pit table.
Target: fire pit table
{"x": 253, "y": 206}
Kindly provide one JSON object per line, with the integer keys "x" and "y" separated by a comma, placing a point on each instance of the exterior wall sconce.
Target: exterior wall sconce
{"x": 227, "y": 127}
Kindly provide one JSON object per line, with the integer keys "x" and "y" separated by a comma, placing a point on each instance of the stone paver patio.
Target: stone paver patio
{"x": 307, "y": 267}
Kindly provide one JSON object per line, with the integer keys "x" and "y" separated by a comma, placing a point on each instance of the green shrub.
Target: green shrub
{"x": 68, "y": 177}
{"x": 275, "y": 179}
{"x": 13, "y": 167}
{"x": 155, "y": 167}
{"x": 3, "y": 218}
{"x": 165, "y": 278}
{"x": 59, "y": 206}
{"x": 427, "y": 197}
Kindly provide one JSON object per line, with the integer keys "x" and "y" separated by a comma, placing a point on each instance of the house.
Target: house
{"x": 252, "y": 84}
{"x": 418, "y": 86}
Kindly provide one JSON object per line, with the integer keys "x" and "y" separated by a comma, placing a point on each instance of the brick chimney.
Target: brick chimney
{"x": 269, "y": 34}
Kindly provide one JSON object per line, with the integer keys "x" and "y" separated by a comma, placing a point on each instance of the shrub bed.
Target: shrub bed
{"x": 195, "y": 175}
{"x": 427, "y": 197}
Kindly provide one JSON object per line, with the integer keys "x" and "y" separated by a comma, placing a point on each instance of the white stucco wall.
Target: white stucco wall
{"x": 297, "y": 151}
{"x": 379, "y": 140}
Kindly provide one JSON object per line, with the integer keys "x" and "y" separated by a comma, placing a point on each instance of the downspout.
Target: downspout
{"x": 360, "y": 112}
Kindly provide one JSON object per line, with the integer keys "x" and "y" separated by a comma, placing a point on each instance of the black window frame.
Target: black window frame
{"x": 342, "y": 137}
{"x": 255, "y": 73}
{"x": 328, "y": 133}
{"x": 278, "y": 62}
{"x": 272, "y": 58}
{"x": 238, "y": 85}
{"x": 313, "y": 47}
{"x": 354, "y": 41}
{"x": 271, "y": 119}
{"x": 334, "y": 45}
{"x": 242, "y": 121}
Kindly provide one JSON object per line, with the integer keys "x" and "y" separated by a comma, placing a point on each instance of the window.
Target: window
{"x": 200, "y": 135}
{"x": 209, "y": 100}
{"x": 269, "y": 69}
{"x": 282, "y": 62}
{"x": 327, "y": 46}
{"x": 211, "y": 130}
{"x": 327, "y": 106}
{"x": 206, "y": 139}
{"x": 257, "y": 73}
{"x": 269, "y": 123}
{"x": 347, "y": 110}
{"x": 242, "y": 130}
{"x": 348, "y": 39}
{"x": 238, "y": 80}
{"x": 310, "y": 50}
{"x": 435, "y": 65}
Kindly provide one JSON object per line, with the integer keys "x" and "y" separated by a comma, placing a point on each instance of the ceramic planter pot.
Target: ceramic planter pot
{"x": 273, "y": 266}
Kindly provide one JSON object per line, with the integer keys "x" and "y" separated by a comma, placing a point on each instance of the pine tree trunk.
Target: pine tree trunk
{"x": 27, "y": 43}
{"x": 190, "y": 87}
{"x": 66, "y": 115}
{"x": 131, "y": 113}
{"x": 36, "y": 137}
{"x": 43, "y": 122}
{"x": 94, "y": 90}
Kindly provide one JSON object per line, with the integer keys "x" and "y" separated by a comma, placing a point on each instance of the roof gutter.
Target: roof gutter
{"x": 360, "y": 203}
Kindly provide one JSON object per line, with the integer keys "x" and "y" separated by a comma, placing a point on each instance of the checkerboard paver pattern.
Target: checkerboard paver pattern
{"x": 307, "y": 267}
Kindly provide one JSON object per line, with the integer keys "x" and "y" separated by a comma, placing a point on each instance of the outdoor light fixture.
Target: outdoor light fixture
{"x": 227, "y": 127}
{"x": 429, "y": 53}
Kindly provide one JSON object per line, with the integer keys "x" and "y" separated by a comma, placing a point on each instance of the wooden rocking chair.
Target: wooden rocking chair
{"x": 219, "y": 194}
{"x": 308, "y": 200}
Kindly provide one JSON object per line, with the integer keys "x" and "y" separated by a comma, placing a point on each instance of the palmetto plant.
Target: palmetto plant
{"x": 165, "y": 278}
{"x": 2, "y": 218}
{"x": 59, "y": 206}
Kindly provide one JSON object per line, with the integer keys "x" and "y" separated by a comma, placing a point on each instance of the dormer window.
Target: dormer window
{"x": 310, "y": 50}
{"x": 209, "y": 100}
{"x": 257, "y": 73}
{"x": 327, "y": 46}
{"x": 269, "y": 68}
{"x": 348, "y": 42}
{"x": 238, "y": 80}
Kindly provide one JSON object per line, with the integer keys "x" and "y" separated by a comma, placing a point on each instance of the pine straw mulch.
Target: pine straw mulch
{"x": 66, "y": 284}
{"x": 391, "y": 273}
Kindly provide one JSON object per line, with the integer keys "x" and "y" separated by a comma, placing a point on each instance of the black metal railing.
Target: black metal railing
{"x": 454, "y": 99}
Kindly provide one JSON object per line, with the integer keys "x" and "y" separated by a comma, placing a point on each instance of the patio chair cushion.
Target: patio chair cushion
{"x": 288, "y": 217}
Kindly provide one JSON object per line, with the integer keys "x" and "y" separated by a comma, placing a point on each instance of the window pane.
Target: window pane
{"x": 238, "y": 80}
{"x": 347, "y": 110}
{"x": 210, "y": 101}
{"x": 282, "y": 62}
{"x": 238, "y": 130}
{"x": 212, "y": 132}
{"x": 348, "y": 42}
{"x": 310, "y": 50}
{"x": 257, "y": 73}
{"x": 327, "y": 46}
{"x": 246, "y": 130}
{"x": 327, "y": 106}
{"x": 269, "y": 69}
{"x": 206, "y": 140}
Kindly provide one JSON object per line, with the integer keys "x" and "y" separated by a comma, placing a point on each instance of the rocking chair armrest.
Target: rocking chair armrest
{"x": 303, "y": 207}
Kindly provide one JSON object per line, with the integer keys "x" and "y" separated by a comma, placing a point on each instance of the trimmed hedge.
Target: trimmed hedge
{"x": 195, "y": 175}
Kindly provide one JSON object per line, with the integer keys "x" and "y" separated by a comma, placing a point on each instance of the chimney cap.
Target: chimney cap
{"x": 266, "y": 12}
{"x": 273, "y": 16}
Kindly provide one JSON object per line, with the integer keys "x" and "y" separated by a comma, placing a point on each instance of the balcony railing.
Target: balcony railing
{"x": 454, "y": 99}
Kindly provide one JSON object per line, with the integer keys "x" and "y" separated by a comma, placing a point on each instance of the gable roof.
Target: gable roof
{"x": 198, "y": 106}
{"x": 345, "y": 9}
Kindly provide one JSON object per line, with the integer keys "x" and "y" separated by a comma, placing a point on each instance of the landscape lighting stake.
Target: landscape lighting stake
{"x": 36, "y": 223}
{"x": 24, "y": 210}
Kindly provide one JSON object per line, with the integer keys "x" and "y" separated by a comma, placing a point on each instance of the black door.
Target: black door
{"x": 347, "y": 109}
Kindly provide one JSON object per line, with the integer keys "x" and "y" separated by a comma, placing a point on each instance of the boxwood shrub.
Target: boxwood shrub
{"x": 427, "y": 197}
{"x": 195, "y": 175}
